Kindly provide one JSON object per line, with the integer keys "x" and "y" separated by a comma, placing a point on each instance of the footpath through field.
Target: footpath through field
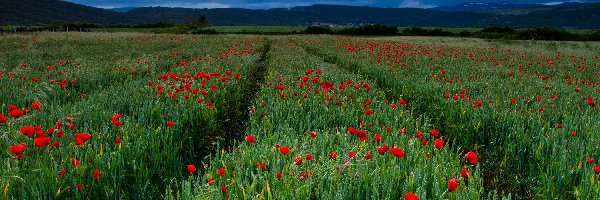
{"x": 319, "y": 131}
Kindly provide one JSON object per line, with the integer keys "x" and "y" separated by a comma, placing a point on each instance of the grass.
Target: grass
{"x": 257, "y": 29}
{"x": 137, "y": 30}
{"x": 211, "y": 117}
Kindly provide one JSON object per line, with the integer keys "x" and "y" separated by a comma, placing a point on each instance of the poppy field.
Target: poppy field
{"x": 131, "y": 115}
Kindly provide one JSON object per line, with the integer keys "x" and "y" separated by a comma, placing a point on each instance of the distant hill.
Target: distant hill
{"x": 481, "y": 6}
{"x": 124, "y": 9}
{"x": 55, "y": 11}
{"x": 580, "y": 15}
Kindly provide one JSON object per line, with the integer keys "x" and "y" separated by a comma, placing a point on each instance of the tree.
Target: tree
{"x": 202, "y": 22}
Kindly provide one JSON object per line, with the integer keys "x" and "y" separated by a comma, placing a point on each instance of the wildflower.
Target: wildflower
{"x": 452, "y": 184}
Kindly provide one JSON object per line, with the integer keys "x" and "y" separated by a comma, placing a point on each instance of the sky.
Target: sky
{"x": 256, "y": 4}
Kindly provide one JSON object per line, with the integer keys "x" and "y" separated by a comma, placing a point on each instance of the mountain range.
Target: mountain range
{"x": 567, "y": 15}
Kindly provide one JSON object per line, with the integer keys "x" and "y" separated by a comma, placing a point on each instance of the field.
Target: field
{"x": 137, "y": 115}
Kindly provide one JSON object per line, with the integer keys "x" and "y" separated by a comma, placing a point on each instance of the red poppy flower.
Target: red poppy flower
{"x": 27, "y": 131}
{"x": 439, "y": 143}
{"x": 393, "y": 106}
{"x": 191, "y": 168}
{"x": 74, "y": 161}
{"x": 284, "y": 150}
{"x": 362, "y": 135}
{"x": 15, "y": 114}
{"x": 278, "y": 175}
{"x": 2, "y": 119}
{"x": 223, "y": 189}
{"x": 332, "y": 155}
{"x": 368, "y": 111}
{"x": 397, "y": 152}
{"x": 79, "y": 186}
{"x": 597, "y": 169}
{"x": 36, "y": 105}
{"x": 221, "y": 172}
{"x": 115, "y": 120}
{"x": 97, "y": 174}
{"x": 250, "y": 139}
{"x": 170, "y": 124}
{"x": 12, "y": 107}
{"x": 352, "y": 130}
{"x": 118, "y": 140}
{"x": 298, "y": 160}
{"x": 58, "y": 125}
{"x": 452, "y": 184}
{"x": 308, "y": 157}
{"x": 62, "y": 172}
{"x": 402, "y": 130}
{"x": 559, "y": 125}
{"x": 41, "y": 142}
{"x": 368, "y": 156}
{"x": 590, "y": 160}
{"x": 471, "y": 157}
{"x": 411, "y": 196}
{"x": 260, "y": 166}
{"x": 209, "y": 181}
{"x": 591, "y": 102}
{"x": 402, "y": 102}
{"x": 55, "y": 144}
{"x": 313, "y": 134}
{"x": 81, "y": 138}
{"x": 377, "y": 138}
{"x": 383, "y": 149}
{"x": 464, "y": 173}
{"x": 18, "y": 150}
{"x": 351, "y": 155}
{"x": 513, "y": 100}
{"x": 419, "y": 135}
{"x": 434, "y": 133}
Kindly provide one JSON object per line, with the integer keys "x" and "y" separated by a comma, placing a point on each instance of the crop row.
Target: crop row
{"x": 531, "y": 115}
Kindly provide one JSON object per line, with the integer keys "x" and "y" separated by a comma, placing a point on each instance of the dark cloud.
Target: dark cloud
{"x": 256, "y": 4}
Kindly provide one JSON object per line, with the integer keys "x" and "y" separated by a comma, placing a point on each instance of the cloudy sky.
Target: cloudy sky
{"x": 256, "y": 4}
